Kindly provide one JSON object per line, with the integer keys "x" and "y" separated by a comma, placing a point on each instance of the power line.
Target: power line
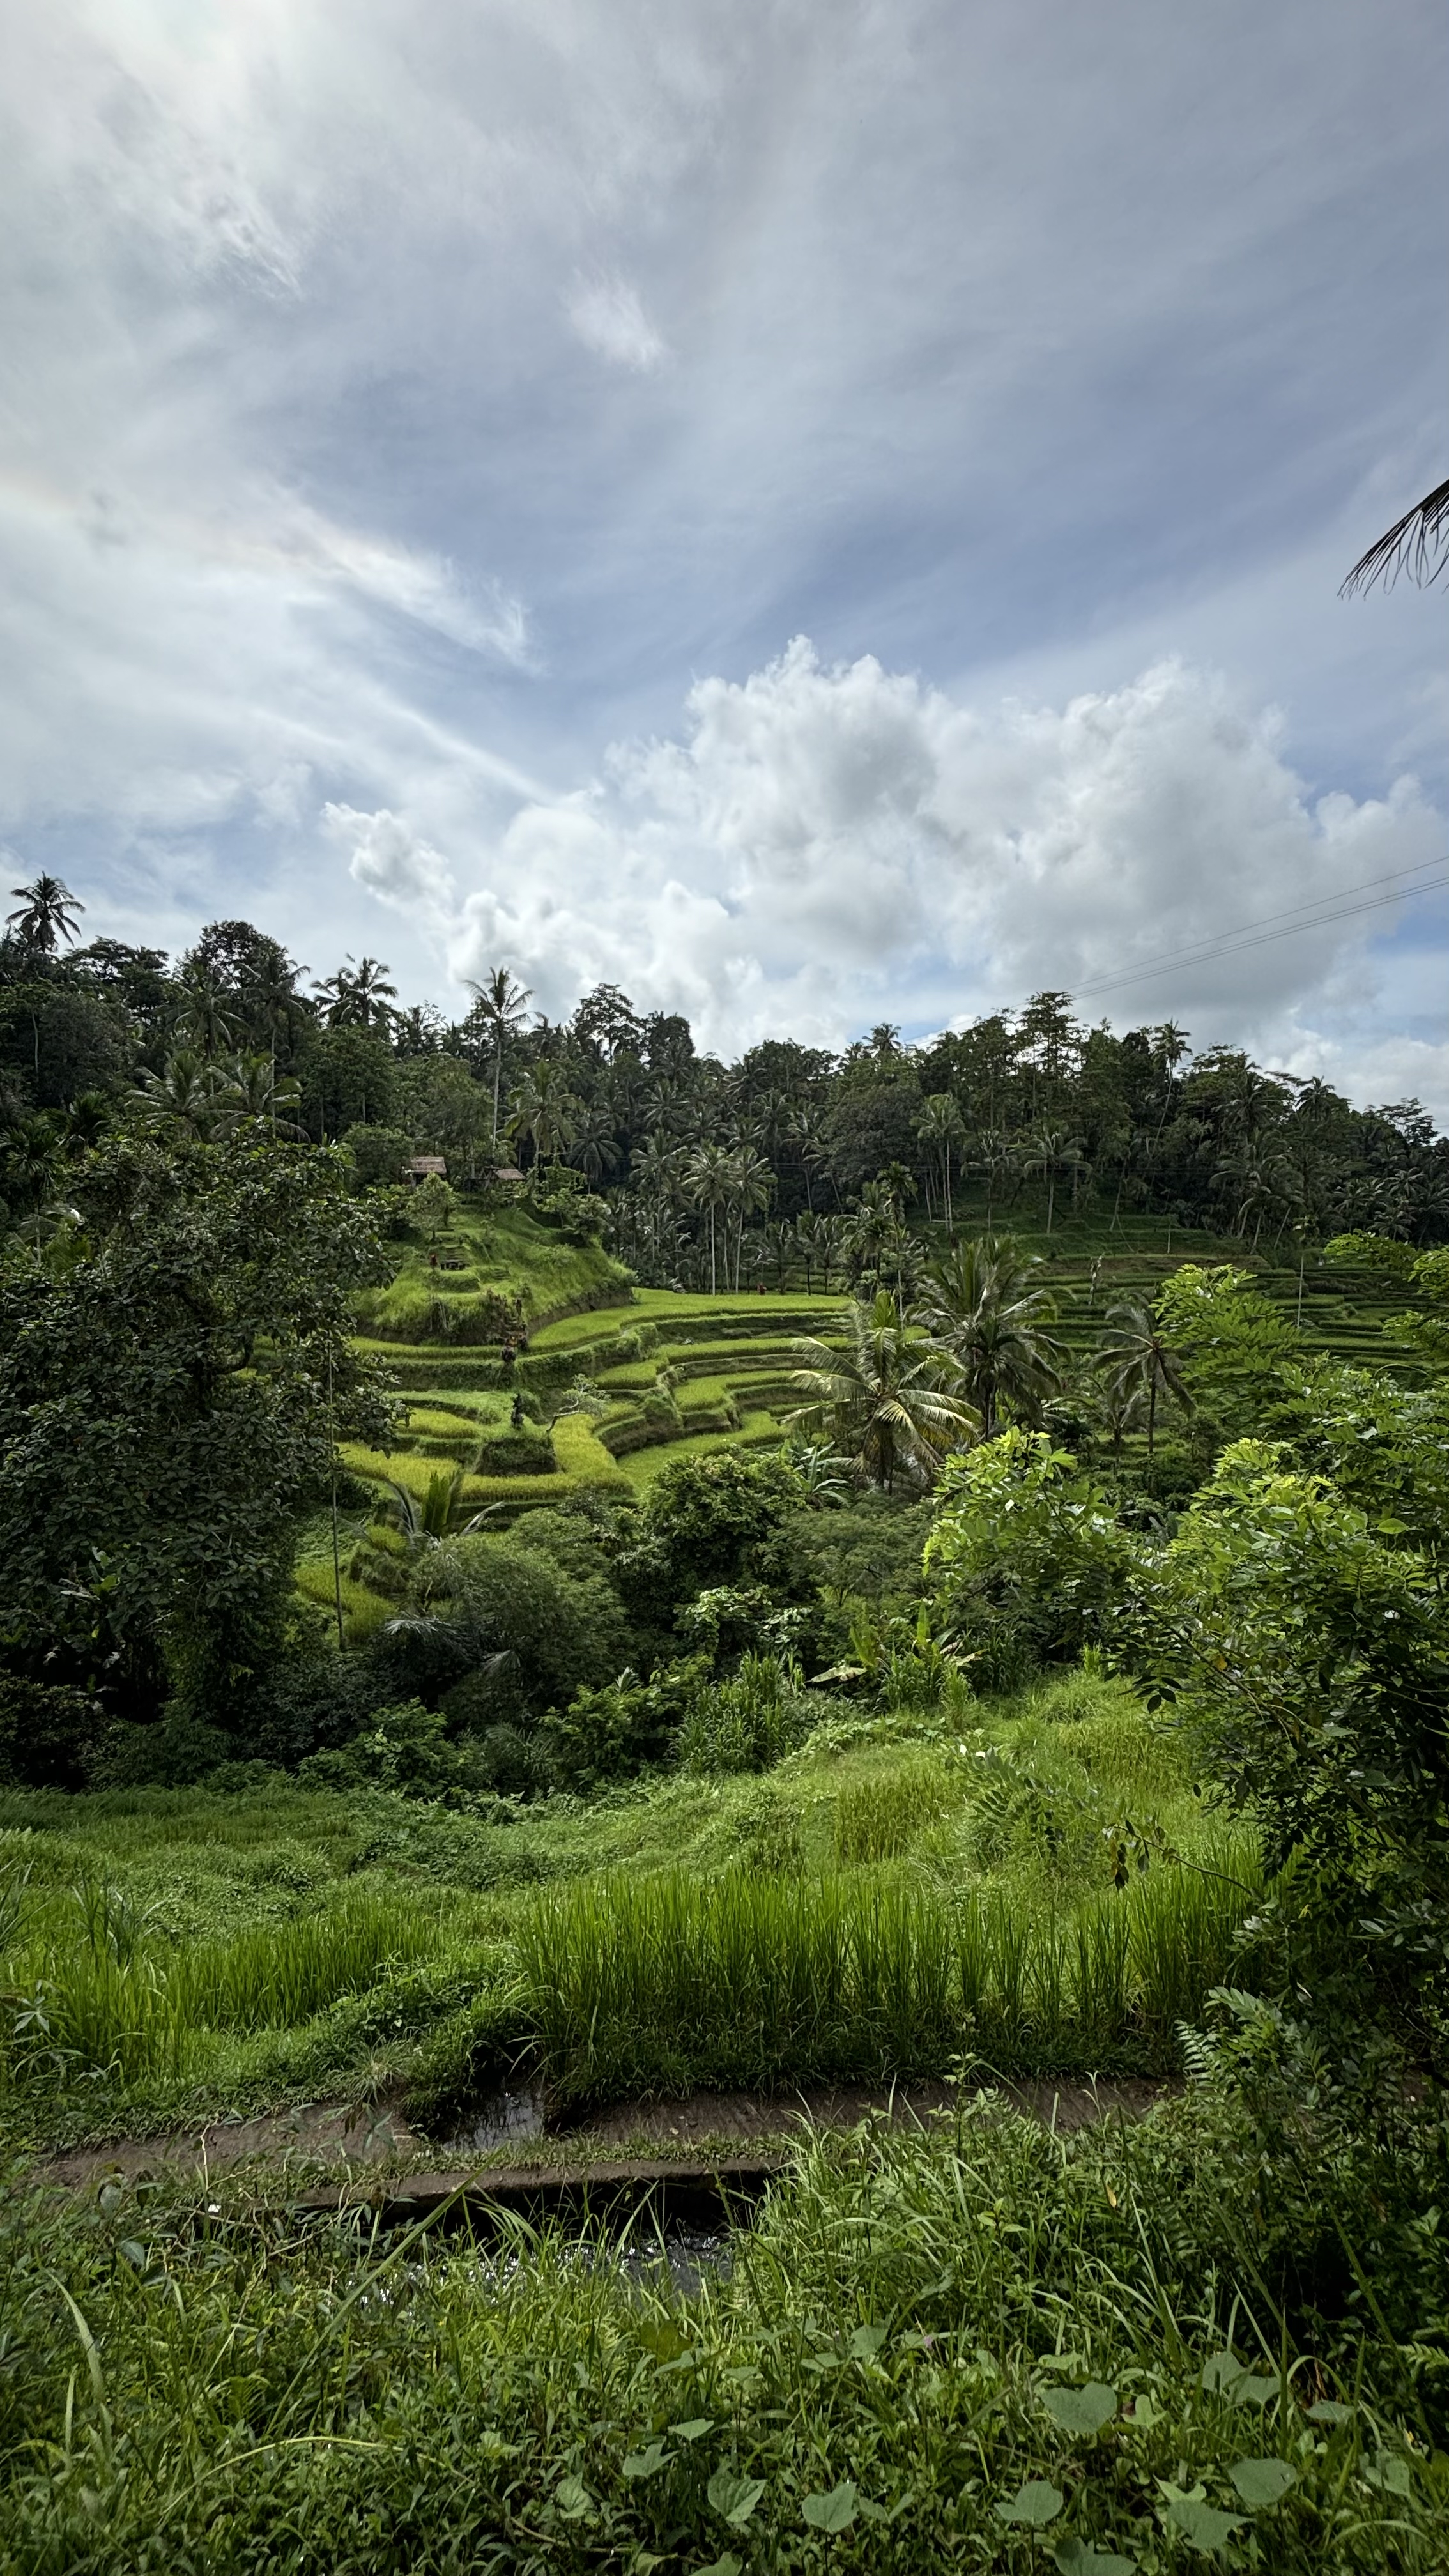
{"x": 1257, "y": 934}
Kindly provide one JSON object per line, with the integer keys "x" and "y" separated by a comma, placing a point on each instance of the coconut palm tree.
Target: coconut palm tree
{"x": 252, "y": 1091}
{"x": 1050, "y": 1152}
{"x": 205, "y": 1027}
{"x": 546, "y": 1111}
{"x": 47, "y": 914}
{"x": 707, "y": 1179}
{"x": 750, "y": 1183}
{"x": 359, "y": 998}
{"x": 806, "y": 1131}
{"x": 887, "y": 1401}
{"x": 941, "y": 1126}
{"x": 983, "y": 1307}
{"x": 502, "y": 1006}
{"x": 1136, "y": 1362}
{"x": 188, "y": 1095}
{"x": 594, "y": 1149}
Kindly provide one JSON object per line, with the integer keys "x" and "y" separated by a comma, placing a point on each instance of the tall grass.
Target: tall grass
{"x": 657, "y": 1984}
{"x": 93, "y": 1994}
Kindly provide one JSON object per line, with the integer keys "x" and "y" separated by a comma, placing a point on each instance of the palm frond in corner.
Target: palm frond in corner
{"x": 1417, "y": 544}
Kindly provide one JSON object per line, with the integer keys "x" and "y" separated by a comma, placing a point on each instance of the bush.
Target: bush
{"x": 749, "y": 1723}
{"x": 50, "y": 1733}
{"x": 405, "y": 1748}
{"x": 1026, "y": 1558}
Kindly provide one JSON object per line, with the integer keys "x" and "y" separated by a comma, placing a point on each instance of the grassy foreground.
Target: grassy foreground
{"x": 974, "y": 2348}
{"x": 896, "y": 1892}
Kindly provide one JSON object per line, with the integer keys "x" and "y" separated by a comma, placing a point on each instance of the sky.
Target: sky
{"x": 812, "y": 514}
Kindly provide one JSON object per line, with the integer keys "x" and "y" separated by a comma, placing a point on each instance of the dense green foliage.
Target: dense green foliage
{"x": 1031, "y": 1666}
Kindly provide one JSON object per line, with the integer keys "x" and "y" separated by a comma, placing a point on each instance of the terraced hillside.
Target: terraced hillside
{"x": 609, "y": 1390}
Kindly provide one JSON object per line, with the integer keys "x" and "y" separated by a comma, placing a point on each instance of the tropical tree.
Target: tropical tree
{"x": 750, "y": 1183}
{"x": 1050, "y": 1153}
{"x": 358, "y": 997}
{"x": 708, "y": 1182}
{"x": 501, "y": 1004}
{"x": 546, "y": 1112}
{"x": 1140, "y": 1364}
{"x": 206, "y": 1026}
{"x": 46, "y": 915}
{"x": 190, "y": 1096}
{"x": 941, "y": 1126}
{"x": 888, "y": 1401}
{"x": 983, "y": 1307}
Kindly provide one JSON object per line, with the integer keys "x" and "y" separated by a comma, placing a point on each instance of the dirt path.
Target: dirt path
{"x": 509, "y": 2147}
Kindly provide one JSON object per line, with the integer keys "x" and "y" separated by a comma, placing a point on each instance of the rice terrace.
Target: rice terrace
{"x": 724, "y": 1293}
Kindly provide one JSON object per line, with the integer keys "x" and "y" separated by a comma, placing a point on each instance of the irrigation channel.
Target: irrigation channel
{"x": 509, "y": 2171}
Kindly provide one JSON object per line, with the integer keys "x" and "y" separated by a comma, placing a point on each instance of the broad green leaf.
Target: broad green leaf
{"x": 1079, "y": 2558}
{"x": 1202, "y": 2526}
{"x": 1391, "y": 2473}
{"x": 866, "y": 2341}
{"x": 1327, "y": 2410}
{"x": 1081, "y": 2410}
{"x": 1263, "y": 2482}
{"x": 733, "y": 2496}
{"x": 832, "y": 2512}
{"x": 729, "y": 2565}
{"x": 646, "y": 2463}
{"x": 692, "y": 2427}
{"x": 572, "y": 2498}
{"x": 1036, "y": 2503}
{"x": 1225, "y": 2376}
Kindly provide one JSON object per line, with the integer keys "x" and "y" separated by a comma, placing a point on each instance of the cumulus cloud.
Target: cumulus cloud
{"x": 610, "y": 319}
{"x": 824, "y": 844}
{"x": 389, "y": 859}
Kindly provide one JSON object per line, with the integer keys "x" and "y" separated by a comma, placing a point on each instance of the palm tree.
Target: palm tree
{"x": 1050, "y": 1152}
{"x": 806, "y": 1131}
{"x": 884, "y": 1400}
{"x": 502, "y": 1005}
{"x": 941, "y": 1125}
{"x": 359, "y": 999}
{"x": 1258, "y": 1176}
{"x": 594, "y": 1149}
{"x": 1137, "y": 1362}
{"x": 983, "y": 1307}
{"x": 750, "y": 1183}
{"x": 545, "y": 1110}
{"x": 189, "y": 1094}
{"x": 252, "y": 1092}
{"x": 46, "y": 915}
{"x": 205, "y": 1024}
{"x": 1417, "y": 544}
{"x": 708, "y": 1183}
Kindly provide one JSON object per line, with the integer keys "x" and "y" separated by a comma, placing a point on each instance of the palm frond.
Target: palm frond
{"x": 1417, "y": 544}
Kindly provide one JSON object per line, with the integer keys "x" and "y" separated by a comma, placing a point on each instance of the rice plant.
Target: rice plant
{"x": 652, "y": 1985}
{"x": 99, "y": 1994}
{"x": 878, "y": 1818}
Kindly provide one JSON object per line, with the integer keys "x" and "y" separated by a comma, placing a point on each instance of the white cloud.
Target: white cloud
{"x": 610, "y": 319}
{"x": 827, "y": 844}
{"x": 390, "y": 859}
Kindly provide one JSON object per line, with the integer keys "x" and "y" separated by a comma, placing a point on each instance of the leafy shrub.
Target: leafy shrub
{"x": 748, "y": 1723}
{"x": 613, "y": 1733}
{"x": 405, "y": 1748}
{"x": 49, "y": 1733}
{"x": 1025, "y": 1559}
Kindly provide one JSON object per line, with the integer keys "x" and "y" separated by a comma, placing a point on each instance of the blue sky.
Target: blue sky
{"x": 812, "y": 514}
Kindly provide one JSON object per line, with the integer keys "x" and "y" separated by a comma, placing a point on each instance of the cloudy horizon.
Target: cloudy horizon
{"x": 814, "y": 522}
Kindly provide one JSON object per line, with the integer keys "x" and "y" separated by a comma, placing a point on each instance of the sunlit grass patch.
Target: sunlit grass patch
{"x": 657, "y": 1984}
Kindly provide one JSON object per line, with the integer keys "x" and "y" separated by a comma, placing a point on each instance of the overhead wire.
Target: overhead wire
{"x": 1290, "y": 924}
